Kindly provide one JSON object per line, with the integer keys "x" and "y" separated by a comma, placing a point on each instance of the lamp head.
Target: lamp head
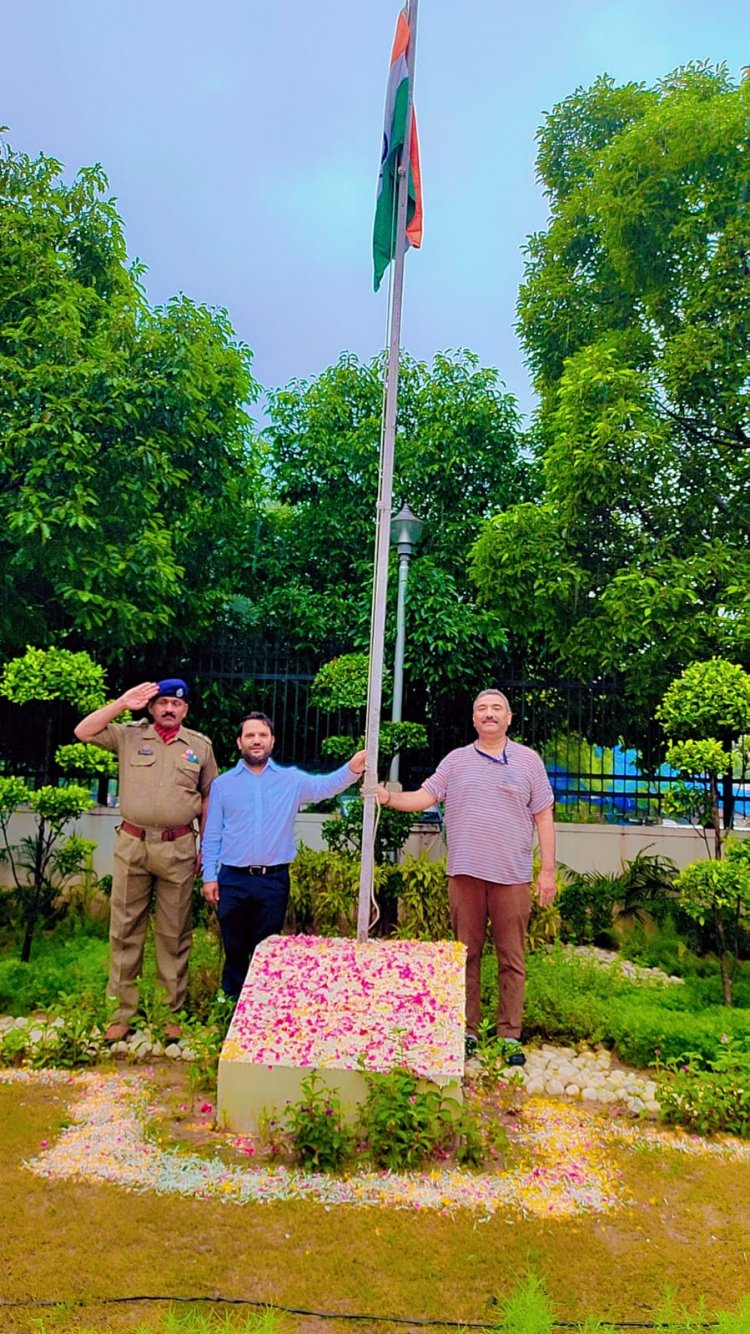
{"x": 406, "y": 530}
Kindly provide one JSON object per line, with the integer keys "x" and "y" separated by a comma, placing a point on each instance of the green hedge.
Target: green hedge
{"x": 571, "y": 1000}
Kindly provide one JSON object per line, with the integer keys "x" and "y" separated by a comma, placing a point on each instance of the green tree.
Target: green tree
{"x": 128, "y": 472}
{"x": 704, "y": 713}
{"x": 456, "y": 461}
{"x": 635, "y": 315}
{"x": 40, "y": 864}
{"x": 341, "y": 686}
{"x": 718, "y": 892}
{"x": 41, "y": 677}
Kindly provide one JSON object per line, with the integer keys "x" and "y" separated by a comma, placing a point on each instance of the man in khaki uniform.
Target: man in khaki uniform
{"x": 165, "y": 772}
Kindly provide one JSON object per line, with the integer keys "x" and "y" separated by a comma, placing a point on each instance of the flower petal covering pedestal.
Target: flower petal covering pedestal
{"x": 340, "y": 1008}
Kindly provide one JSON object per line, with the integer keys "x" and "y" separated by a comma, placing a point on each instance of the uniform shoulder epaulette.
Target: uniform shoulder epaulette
{"x": 202, "y": 735}
{"x": 136, "y": 722}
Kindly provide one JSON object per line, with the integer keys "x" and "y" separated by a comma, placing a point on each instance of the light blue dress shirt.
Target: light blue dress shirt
{"x": 251, "y": 816}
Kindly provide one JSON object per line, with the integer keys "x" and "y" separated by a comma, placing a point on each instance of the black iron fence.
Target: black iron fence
{"x": 604, "y": 761}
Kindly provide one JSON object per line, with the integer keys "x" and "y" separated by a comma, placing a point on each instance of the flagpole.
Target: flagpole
{"x": 383, "y": 513}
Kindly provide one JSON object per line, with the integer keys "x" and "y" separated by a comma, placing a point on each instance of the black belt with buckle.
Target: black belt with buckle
{"x": 258, "y": 870}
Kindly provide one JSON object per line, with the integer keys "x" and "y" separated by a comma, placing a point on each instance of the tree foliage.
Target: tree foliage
{"x": 127, "y": 463}
{"x": 704, "y": 712}
{"x": 341, "y": 683}
{"x": 86, "y": 761}
{"x": 54, "y": 673}
{"x": 37, "y": 680}
{"x": 719, "y": 892}
{"x": 709, "y": 699}
{"x": 635, "y": 315}
{"x": 456, "y": 462}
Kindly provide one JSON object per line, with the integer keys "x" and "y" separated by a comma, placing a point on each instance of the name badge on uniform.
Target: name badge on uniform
{"x": 145, "y": 750}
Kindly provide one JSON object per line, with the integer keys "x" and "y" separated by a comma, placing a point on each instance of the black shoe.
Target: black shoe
{"x": 516, "y": 1055}
{"x": 470, "y": 1046}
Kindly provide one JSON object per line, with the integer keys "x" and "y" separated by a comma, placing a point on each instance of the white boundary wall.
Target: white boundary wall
{"x": 582, "y": 847}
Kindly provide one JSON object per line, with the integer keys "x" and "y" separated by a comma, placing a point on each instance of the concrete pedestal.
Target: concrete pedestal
{"x": 340, "y": 1008}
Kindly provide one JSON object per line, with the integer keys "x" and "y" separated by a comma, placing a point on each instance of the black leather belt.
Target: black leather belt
{"x": 258, "y": 870}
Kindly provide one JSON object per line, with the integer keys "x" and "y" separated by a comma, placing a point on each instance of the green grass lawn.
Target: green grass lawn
{"x": 682, "y": 1223}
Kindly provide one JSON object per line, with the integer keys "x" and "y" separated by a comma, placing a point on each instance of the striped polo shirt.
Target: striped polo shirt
{"x": 489, "y": 810}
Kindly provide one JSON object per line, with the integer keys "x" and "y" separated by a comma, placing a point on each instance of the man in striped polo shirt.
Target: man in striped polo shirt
{"x": 496, "y": 795}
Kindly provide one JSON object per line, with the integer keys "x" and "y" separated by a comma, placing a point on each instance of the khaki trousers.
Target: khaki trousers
{"x": 143, "y": 867}
{"x": 507, "y": 907}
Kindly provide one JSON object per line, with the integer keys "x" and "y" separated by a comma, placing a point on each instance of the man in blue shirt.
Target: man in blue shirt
{"x": 249, "y": 838}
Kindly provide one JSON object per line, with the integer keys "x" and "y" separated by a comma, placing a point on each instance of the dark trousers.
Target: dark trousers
{"x": 251, "y": 907}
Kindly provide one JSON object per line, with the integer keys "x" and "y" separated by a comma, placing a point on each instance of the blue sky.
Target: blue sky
{"x": 242, "y": 139}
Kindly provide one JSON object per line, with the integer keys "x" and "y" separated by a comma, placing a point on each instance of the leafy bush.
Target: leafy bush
{"x": 344, "y": 832}
{"x": 80, "y": 758}
{"x": 323, "y": 893}
{"x": 421, "y": 887}
{"x": 54, "y": 673}
{"x": 660, "y": 946}
{"x": 342, "y": 683}
{"x": 586, "y": 908}
{"x": 574, "y": 1000}
{"x": 589, "y": 902}
{"x": 709, "y": 1096}
{"x": 404, "y": 1122}
{"x": 321, "y": 1142}
{"x": 719, "y": 892}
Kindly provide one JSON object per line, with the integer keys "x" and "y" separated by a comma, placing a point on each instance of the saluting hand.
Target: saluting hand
{"x": 137, "y": 697}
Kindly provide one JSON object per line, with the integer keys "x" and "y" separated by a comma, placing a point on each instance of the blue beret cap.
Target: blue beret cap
{"x": 173, "y": 687}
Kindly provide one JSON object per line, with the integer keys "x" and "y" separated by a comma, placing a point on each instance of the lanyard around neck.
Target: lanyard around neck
{"x": 494, "y": 759}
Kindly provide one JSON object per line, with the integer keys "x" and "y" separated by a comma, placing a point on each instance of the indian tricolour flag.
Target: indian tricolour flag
{"x": 394, "y": 134}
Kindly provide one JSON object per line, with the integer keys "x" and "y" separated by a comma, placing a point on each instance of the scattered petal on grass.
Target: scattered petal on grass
{"x": 567, "y": 1169}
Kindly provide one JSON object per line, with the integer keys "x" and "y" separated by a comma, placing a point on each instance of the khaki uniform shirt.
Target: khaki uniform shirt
{"x": 160, "y": 786}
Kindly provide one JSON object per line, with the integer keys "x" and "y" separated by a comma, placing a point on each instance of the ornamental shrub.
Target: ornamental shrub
{"x": 709, "y": 1096}
{"x": 404, "y": 1119}
{"x": 421, "y": 887}
{"x": 41, "y": 864}
{"x": 321, "y": 1141}
{"x": 54, "y": 673}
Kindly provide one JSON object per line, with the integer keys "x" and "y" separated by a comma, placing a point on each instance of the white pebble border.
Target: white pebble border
{"x": 139, "y": 1046}
{"x": 635, "y": 971}
{"x": 585, "y": 1074}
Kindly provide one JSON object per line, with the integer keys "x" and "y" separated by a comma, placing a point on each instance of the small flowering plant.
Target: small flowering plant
{"x": 320, "y": 1140}
{"x": 403, "y": 1121}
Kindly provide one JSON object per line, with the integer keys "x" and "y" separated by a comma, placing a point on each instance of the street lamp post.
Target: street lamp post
{"x": 406, "y": 530}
